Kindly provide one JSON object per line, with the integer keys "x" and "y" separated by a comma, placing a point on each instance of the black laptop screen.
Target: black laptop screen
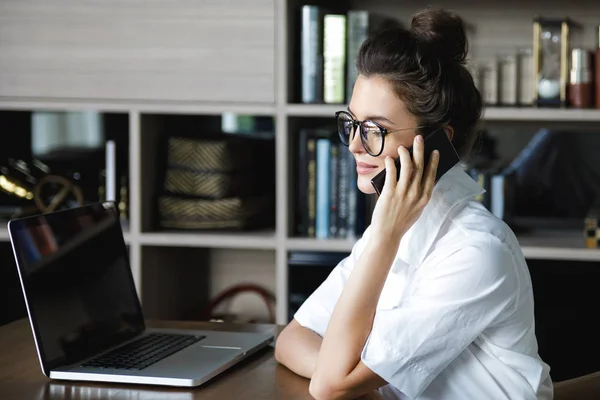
{"x": 77, "y": 280}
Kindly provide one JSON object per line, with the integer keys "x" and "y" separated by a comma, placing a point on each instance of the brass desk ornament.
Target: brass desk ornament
{"x": 46, "y": 192}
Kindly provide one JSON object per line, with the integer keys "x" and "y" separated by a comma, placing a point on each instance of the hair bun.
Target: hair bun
{"x": 441, "y": 33}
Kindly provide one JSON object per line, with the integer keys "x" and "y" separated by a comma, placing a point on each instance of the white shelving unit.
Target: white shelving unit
{"x": 263, "y": 86}
{"x": 532, "y": 114}
{"x": 260, "y": 241}
{"x": 4, "y": 237}
{"x": 559, "y": 245}
{"x": 554, "y": 245}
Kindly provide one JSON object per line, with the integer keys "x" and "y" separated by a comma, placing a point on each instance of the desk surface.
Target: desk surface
{"x": 258, "y": 377}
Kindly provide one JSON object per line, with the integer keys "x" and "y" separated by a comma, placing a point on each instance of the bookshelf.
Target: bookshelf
{"x": 490, "y": 113}
{"x": 545, "y": 244}
{"x": 4, "y": 237}
{"x": 261, "y": 240}
{"x": 265, "y": 84}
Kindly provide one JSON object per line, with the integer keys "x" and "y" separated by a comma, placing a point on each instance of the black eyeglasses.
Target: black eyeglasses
{"x": 372, "y": 135}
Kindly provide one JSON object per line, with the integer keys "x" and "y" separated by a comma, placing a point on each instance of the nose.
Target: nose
{"x": 355, "y": 145}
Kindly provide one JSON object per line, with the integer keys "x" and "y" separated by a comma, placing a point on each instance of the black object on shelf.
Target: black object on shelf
{"x": 306, "y": 271}
{"x": 566, "y": 300}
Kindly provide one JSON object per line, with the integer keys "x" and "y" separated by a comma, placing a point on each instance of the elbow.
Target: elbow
{"x": 278, "y": 350}
{"x": 323, "y": 389}
{"x": 280, "y": 346}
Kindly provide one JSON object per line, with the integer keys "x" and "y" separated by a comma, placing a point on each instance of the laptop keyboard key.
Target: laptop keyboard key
{"x": 143, "y": 352}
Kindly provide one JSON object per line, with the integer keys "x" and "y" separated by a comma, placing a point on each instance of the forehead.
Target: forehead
{"x": 375, "y": 96}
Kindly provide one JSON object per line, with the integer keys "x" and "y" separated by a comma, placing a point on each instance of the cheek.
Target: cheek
{"x": 364, "y": 181}
{"x": 391, "y": 152}
{"x": 391, "y": 146}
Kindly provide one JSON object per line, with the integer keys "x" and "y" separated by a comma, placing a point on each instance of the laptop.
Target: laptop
{"x": 85, "y": 314}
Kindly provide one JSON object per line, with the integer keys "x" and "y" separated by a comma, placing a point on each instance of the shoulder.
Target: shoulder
{"x": 472, "y": 225}
{"x": 475, "y": 241}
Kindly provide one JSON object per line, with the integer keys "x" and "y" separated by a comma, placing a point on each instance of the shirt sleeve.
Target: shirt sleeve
{"x": 316, "y": 310}
{"x": 451, "y": 302}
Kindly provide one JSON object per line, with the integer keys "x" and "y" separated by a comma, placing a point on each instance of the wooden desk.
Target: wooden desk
{"x": 258, "y": 377}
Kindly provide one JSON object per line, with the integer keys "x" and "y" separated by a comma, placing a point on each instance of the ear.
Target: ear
{"x": 449, "y": 132}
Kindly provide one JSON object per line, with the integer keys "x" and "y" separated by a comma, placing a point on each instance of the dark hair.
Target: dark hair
{"x": 426, "y": 66}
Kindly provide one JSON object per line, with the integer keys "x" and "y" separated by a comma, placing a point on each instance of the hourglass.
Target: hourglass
{"x": 550, "y": 59}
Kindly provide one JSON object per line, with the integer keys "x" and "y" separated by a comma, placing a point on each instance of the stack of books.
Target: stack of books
{"x": 329, "y": 47}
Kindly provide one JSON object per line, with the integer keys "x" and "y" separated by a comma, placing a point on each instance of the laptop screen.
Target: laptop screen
{"x": 77, "y": 281}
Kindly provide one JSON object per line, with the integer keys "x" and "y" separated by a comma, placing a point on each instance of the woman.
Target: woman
{"x": 435, "y": 300}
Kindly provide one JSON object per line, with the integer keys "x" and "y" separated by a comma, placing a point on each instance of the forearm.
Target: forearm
{"x": 352, "y": 318}
{"x": 298, "y": 348}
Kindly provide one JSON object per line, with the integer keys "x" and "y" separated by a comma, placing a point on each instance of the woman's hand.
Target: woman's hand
{"x": 401, "y": 203}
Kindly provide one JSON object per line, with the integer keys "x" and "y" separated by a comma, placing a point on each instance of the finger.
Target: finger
{"x": 406, "y": 168}
{"x": 390, "y": 174}
{"x": 418, "y": 160}
{"x": 431, "y": 172}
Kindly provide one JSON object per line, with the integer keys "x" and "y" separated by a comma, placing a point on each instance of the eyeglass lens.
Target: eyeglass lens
{"x": 370, "y": 134}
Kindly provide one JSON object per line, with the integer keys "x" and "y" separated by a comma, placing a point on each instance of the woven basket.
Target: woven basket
{"x": 214, "y": 185}
{"x": 207, "y": 154}
{"x": 234, "y": 212}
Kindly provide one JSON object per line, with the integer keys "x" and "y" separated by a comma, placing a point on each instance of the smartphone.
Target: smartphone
{"x": 435, "y": 140}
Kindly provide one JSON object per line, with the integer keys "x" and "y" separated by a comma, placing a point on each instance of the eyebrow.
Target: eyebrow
{"x": 377, "y": 118}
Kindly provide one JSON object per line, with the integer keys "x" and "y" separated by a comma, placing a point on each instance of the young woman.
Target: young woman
{"x": 435, "y": 300}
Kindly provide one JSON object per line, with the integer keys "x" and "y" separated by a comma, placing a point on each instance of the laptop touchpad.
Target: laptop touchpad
{"x": 198, "y": 360}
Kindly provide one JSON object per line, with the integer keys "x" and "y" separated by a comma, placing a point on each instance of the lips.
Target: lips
{"x": 364, "y": 168}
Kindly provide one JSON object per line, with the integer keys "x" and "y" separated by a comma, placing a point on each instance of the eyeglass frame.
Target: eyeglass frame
{"x": 358, "y": 124}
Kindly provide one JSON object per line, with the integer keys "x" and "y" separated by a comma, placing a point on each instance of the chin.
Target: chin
{"x": 364, "y": 184}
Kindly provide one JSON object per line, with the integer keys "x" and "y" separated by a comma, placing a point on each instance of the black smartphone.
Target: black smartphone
{"x": 435, "y": 140}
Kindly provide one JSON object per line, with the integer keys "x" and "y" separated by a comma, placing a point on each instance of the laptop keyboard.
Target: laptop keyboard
{"x": 143, "y": 352}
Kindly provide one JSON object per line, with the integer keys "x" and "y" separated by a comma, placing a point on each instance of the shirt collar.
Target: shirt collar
{"x": 453, "y": 188}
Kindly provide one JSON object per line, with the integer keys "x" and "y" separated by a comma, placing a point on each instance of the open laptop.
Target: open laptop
{"x": 85, "y": 314}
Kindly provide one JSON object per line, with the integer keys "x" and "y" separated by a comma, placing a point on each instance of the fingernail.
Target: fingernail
{"x": 436, "y": 153}
{"x": 419, "y": 138}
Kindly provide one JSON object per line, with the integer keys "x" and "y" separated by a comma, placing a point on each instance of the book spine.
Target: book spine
{"x": 301, "y": 212}
{"x": 311, "y": 57}
{"x": 358, "y": 25}
{"x": 497, "y": 196}
{"x": 334, "y": 177}
{"x": 352, "y": 196}
{"x": 312, "y": 186}
{"x": 343, "y": 184}
{"x": 323, "y": 156}
{"x": 334, "y": 57}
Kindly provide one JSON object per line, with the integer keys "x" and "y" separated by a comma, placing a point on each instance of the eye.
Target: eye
{"x": 370, "y": 129}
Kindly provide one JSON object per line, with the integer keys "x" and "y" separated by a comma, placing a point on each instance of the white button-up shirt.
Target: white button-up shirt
{"x": 455, "y": 319}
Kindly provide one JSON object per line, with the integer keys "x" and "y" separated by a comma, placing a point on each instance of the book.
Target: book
{"x": 323, "y": 151}
{"x": 311, "y": 54}
{"x": 311, "y": 193}
{"x": 343, "y": 194}
{"x": 334, "y": 58}
{"x": 353, "y": 197}
{"x": 334, "y": 175}
{"x": 361, "y": 25}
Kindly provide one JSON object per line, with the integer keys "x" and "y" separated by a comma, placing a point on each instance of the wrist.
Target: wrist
{"x": 388, "y": 238}
{"x": 383, "y": 246}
